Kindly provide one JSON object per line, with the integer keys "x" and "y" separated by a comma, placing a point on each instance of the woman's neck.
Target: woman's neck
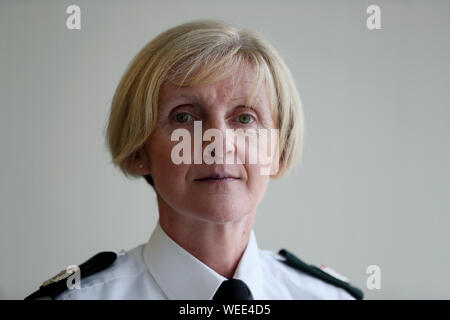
{"x": 218, "y": 245}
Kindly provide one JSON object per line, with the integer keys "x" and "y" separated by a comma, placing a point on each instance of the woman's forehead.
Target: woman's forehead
{"x": 237, "y": 86}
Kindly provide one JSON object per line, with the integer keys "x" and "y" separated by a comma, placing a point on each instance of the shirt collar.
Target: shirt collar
{"x": 183, "y": 277}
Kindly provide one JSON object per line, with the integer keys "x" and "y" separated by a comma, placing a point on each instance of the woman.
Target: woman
{"x": 193, "y": 79}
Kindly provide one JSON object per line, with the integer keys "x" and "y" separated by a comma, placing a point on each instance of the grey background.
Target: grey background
{"x": 374, "y": 183}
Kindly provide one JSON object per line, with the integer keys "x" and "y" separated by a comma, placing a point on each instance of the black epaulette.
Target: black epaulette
{"x": 314, "y": 271}
{"x": 56, "y": 285}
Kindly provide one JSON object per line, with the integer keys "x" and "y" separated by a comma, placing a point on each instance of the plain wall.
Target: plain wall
{"x": 373, "y": 185}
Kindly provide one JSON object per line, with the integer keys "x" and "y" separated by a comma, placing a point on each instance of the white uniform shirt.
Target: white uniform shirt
{"x": 161, "y": 269}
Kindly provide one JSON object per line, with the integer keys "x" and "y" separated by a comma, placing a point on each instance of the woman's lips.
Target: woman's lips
{"x": 217, "y": 180}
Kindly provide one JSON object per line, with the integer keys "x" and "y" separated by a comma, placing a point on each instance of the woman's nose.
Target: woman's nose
{"x": 220, "y": 126}
{"x": 215, "y": 122}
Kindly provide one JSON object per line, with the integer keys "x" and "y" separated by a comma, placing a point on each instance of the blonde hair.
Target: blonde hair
{"x": 210, "y": 48}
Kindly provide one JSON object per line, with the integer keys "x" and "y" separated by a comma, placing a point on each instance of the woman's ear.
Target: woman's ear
{"x": 276, "y": 168}
{"x": 140, "y": 164}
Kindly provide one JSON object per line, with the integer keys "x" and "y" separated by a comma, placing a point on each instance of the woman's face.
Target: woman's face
{"x": 217, "y": 193}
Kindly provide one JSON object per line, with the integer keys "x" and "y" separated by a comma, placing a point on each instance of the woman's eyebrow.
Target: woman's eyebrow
{"x": 256, "y": 99}
{"x": 198, "y": 99}
{"x": 174, "y": 98}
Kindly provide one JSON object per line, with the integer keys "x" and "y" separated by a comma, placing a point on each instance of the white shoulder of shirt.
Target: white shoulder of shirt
{"x": 129, "y": 278}
{"x": 126, "y": 278}
{"x": 291, "y": 283}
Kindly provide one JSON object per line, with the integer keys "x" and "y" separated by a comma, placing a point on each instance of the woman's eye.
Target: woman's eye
{"x": 183, "y": 117}
{"x": 245, "y": 118}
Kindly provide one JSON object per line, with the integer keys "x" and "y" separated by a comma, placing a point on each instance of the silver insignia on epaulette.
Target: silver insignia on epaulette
{"x": 60, "y": 276}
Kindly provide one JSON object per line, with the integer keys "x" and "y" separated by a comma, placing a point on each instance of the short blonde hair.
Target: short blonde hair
{"x": 211, "y": 48}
